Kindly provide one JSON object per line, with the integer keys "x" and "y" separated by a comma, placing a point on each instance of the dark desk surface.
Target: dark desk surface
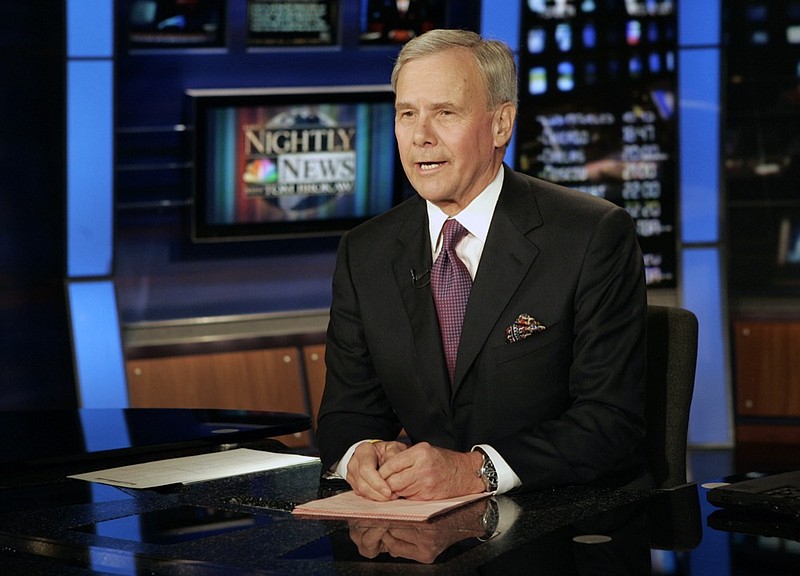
{"x": 243, "y": 525}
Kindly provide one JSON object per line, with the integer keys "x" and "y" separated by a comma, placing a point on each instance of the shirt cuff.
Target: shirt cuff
{"x": 340, "y": 468}
{"x": 507, "y": 479}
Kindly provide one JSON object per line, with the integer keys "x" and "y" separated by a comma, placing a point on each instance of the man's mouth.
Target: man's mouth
{"x": 429, "y": 165}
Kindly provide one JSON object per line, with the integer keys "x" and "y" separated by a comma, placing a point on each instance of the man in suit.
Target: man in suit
{"x": 548, "y": 384}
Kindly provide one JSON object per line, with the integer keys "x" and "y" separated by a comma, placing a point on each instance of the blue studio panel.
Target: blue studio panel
{"x": 702, "y": 271}
{"x": 90, "y": 28}
{"x": 90, "y": 162}
{"x": 699, "y": 145}
{"x": 502, "y": 23}
{"x": 90, "y": 137}
{"x": 96, "y": 337}
{"x": 98, "y": 345}
{"x": 710, "y": 423}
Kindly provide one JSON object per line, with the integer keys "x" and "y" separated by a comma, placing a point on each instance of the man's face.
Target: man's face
{"x": 450, "y": 144}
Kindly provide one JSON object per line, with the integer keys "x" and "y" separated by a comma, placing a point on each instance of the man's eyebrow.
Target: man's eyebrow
{"x": 435, "y": 105}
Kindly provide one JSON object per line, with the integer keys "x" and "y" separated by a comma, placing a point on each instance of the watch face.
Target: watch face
{"x": 489, "y": 474}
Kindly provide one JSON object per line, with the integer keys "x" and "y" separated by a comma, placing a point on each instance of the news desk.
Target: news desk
{"x": 52, "y": 525}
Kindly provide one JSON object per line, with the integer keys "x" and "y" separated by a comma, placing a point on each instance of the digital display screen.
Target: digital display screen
{"x": 761, "y": 144}
{"x": 176, "y": 23}
{"x": 398, "y": 21}
{"x": 292, "y": 22}
{"x": 292, "y": 161}
{"x": 598, "y": 112}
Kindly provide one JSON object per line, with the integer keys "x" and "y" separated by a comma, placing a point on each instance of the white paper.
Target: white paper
{"x": 190, "y": 469}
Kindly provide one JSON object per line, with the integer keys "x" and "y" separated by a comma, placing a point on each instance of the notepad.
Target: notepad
{"x": 350, "y": 505}
{"x": 189, "y": 469}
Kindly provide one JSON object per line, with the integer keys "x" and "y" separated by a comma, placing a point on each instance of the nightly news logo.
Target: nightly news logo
{"x": 307, "y": 161}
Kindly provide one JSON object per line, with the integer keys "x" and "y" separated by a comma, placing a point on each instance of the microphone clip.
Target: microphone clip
{"x": 422, "y": 280}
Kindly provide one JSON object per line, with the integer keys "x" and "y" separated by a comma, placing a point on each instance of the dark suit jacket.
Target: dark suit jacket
{"x": 563, "y": 406}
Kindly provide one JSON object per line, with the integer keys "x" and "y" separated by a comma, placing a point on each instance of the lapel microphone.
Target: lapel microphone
{"x": 422, "y": 280}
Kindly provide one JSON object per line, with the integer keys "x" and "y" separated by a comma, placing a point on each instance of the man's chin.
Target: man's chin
{"x": 435, "y": 196}
{"x": 430, "y": 189}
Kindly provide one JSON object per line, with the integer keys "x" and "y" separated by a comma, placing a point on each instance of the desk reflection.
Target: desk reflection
{"x": 425, "y": 542}
{"x": 615, "y": 542}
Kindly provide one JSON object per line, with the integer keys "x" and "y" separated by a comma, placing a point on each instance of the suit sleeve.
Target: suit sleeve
{"x": 354, "y": 406}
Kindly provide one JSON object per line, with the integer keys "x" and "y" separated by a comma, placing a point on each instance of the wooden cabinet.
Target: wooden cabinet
{"x": 768, "y": 368}
{"x": 271, "y": 362}
{"x": 767, "y": 377}
{"x": 286, "y": 379}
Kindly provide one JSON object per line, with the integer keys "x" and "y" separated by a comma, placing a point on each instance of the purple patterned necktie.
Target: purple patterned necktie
{"x": 451, "y": 283}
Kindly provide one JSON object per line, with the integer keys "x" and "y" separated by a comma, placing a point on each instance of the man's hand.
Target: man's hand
{"x": 425, "y": 472}
{"x": 362, "y": 470}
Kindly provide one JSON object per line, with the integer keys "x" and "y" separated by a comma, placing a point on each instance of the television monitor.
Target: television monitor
{"x": 292, "y": 22}
{"x": 176, "y": 23}
{"x": 389, "y": 22}
{"x": 292, "y": 161}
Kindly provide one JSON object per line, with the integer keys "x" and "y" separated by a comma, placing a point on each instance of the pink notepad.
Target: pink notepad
{"x": 349, "y": 505}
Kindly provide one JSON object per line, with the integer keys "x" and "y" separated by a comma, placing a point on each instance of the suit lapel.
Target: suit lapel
{"x": 413, "y": 252}
{"x": 506, "y": 259}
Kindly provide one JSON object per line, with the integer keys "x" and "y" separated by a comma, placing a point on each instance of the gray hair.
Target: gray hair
{"x": 494, "y": 60}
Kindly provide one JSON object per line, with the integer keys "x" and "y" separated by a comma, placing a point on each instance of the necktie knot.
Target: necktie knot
{"x": 452, "y": 233}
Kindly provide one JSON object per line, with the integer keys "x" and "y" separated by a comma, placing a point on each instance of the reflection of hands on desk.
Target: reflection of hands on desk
{"x": 425, "y": 542}
{"x": 422, "y": 542}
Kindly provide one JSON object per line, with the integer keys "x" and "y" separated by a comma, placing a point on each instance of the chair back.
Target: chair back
{"x": 671, "y": 363}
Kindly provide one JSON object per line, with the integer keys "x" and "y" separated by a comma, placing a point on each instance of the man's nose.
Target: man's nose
{"x": 423, "y": 131}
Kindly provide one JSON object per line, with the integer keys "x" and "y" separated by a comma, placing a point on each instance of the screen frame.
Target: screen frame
{"x": 202, "y": 102}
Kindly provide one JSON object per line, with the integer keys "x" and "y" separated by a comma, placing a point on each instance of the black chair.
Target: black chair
{"x": 671, "y": 363}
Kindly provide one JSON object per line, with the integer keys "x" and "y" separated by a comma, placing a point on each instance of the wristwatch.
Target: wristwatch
{"x": 487, "y": 472}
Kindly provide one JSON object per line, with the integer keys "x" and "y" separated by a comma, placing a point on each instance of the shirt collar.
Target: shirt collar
{"x": 476, "y": 217}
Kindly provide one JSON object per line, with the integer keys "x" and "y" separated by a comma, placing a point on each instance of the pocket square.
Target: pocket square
{"x": 523, "y": 327}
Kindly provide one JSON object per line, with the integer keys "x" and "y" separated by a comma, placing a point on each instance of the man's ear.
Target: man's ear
{"x": 503, "y": 124}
